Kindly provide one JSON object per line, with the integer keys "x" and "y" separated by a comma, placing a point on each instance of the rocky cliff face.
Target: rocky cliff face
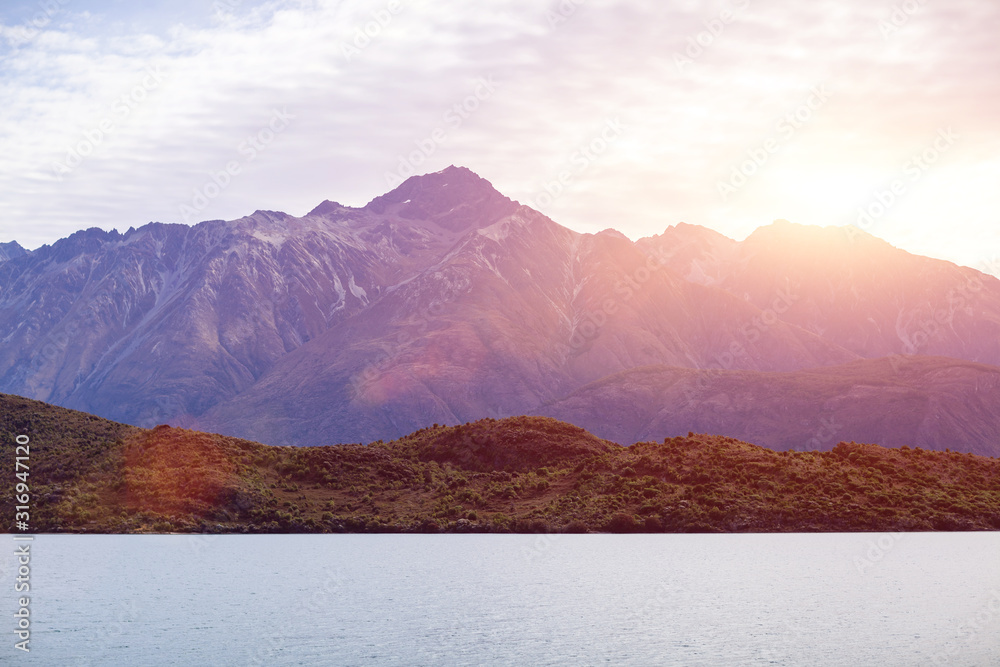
{"x": 11, "y": 250}
{"x": 518, "y": 314}
{"x": 165, "y": 321}
{"x": 848, "y": 287}
{"x": 444, "y": 301}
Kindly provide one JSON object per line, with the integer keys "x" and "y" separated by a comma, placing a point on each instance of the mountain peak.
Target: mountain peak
{"x": 831, "y": 242}
{"x": 685, "y": 233}
{"x": 454, "y": 198}
{"x": 614, "y": 233}
{"x": 326, "y": 207}
{"x": 11, "y": 250}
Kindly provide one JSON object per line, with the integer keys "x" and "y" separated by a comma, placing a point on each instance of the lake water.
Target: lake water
{"x": 841, "y": 599}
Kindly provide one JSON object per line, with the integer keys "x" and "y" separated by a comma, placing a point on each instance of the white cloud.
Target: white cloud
{"x": 557, "y": 83}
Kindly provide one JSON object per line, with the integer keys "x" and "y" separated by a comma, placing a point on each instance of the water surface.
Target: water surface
{"x": 827, "y": 599}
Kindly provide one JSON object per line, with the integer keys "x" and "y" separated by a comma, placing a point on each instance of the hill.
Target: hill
{"x": 522, "y": 474}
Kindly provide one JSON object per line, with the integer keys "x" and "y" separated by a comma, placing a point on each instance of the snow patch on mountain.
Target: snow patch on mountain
{"x": 356, "y": 289}
{"x": 502, "y": 229}
{"x": 275, "y": 239}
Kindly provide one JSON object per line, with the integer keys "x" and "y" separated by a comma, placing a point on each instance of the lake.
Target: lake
{"x": 763, "y": 599}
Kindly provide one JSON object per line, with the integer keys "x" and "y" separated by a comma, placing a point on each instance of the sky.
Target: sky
{"x": 634, "y": 115}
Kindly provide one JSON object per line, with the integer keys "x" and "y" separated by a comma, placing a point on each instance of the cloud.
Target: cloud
{"x": 368, "y": 81}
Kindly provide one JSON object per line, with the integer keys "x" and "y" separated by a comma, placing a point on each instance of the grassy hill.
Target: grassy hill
{"x": 523, "y": 474}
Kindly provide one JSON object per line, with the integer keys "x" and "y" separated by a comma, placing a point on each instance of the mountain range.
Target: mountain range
{"x": 443, "y": 301}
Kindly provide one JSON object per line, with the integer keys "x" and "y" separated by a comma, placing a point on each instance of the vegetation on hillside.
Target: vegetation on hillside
{"x": 522, "y": 474}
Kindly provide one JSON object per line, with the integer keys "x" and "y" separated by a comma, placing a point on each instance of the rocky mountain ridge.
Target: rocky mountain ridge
{"x": 445, "y": 301}
{"x": 11, "y": 250}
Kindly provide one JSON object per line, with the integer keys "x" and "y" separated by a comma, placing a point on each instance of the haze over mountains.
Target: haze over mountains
{"x": 444, "y": 301}
{"x": 850, "y": 287}
{"x": 929, "y": 402}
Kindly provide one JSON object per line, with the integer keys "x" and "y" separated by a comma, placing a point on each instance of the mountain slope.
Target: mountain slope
{"x": 165, "y": 321}
{"x": 11, "y": 250}
{"x": 929, "y": 402}
{"x": 444, "y": 301}
{"x": 518, "y": 314}
{"x": 852, "y": 289}
{"x": 697, "y": 254}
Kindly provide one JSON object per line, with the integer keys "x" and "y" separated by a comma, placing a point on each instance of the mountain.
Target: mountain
{"x": 929, "y": 402}
{"x": 444, "y": 288}
{"x": 697, "y": 254}
{"x": 516, "y": 315}
{"x": 445, "y": 301}
{"x": 164, "y": 321}
{"x": 849, "y": 287}
{"x": 11, "y": 250}
{"x": 521, "y": 474}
